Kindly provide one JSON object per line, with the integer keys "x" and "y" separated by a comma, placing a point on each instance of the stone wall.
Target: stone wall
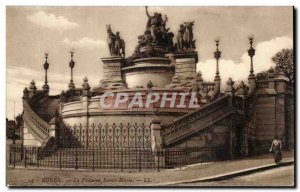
{"x": 274, "y": 111}
{"x": 265, "y": 114}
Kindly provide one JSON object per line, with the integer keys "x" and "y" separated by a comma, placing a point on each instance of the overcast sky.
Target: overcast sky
{"x": 31, "y": 31}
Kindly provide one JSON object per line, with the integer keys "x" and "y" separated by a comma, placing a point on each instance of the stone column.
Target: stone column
{"x": 85, "y": 98}
{"x": 156, "y": 143}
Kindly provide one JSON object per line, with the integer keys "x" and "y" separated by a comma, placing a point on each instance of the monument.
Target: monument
{"x": 155, "y": 101}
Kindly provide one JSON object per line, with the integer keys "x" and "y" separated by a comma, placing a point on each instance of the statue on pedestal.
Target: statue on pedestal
{"x": 156, "y": 39}
{"x": 116, "y": 45}
{"x": 180, "y": 36}
{"x": 185, "y": 37}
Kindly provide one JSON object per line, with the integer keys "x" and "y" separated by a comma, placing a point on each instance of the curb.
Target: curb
{"x": 232, "y": 174}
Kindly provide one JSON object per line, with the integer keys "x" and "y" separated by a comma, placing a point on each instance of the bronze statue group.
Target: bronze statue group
{"x": 156, "y": 34}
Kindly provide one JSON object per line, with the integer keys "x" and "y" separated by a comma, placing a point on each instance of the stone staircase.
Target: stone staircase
{"x": 36, "y": 125}
{"x": 200, "y": 119}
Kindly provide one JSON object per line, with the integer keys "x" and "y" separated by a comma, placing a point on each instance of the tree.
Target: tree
{"x": 284, "y": 61}
{"x": 264, "y": 74}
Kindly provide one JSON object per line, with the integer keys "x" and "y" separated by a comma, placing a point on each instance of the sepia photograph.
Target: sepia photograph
{"x": 150, "y": 96}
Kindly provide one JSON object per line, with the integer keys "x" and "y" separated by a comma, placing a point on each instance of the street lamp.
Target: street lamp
{"x": 46, "y": 67}
{"x": 217, "y": 55}
{"x": 71, "y": 65}
{"x": 251, "y": 53}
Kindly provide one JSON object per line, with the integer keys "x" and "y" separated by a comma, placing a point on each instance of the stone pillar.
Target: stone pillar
{"x": 199, "y": 79}
{"x": 25, "y": 94}
{"x": 252, "y": 84}
{"x": 54, "y": 128}
{"x": 185, "y": 65}
{"x": 85, "y": 98}
{"x": 52, "y": 131}
{"x": 271, "y": 81}
{"x": 244, "y": 91}
{"x": 230, "y": 90}
{"x": 280, "y": 108}
{"x": 217, "y": 87}
{"x": 32, "y": 89}
{"x": 205, "y": 98}
{"x": 112, "y": 67}
{"x": 156, "y": 143}
{"x": 63, "y": 100}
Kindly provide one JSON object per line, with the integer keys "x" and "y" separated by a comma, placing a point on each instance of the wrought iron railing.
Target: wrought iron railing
{"x": 111, "y": 158}
{"x": 105, "y": 135}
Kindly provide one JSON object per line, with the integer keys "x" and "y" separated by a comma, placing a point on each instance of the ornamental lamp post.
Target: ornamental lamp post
{"x": 217, "y": 55}
{"x": 71, "y": 65}
{"x": 251, "y": 53}
{"x": 46, "y": 67}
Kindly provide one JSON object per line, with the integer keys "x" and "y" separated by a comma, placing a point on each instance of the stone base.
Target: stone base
{"x": 112, "y": 78}
{"x": 158, "y": 70}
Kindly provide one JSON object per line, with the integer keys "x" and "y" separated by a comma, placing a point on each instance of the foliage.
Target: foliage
{"x": 284, "y": 64}
{"x": 264, "y": 74}
{"x": 284, "y": 61}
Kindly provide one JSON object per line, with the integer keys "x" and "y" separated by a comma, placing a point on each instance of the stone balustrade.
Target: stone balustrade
{"x": 36, "y": 124}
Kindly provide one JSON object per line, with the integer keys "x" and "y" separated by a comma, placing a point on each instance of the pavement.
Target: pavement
{"x": 229, "y": 175}
{"x": 205, "y": 172}
{"x": 282, "y": 176}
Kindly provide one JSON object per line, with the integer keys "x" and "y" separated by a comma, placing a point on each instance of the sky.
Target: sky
{"x": 32, "y": 31}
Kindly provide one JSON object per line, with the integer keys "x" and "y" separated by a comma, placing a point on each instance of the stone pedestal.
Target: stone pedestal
{"x": 112, "y": 77}
{"x": 157, "y": 144}
{"x": 156, "y": 139}
{"x": 217, "y": 87}
{"x": 52, "y": 128}
{"x": 185, "y": 68}
{"x": 158, "y": 70}
{"x": 112, "y": 67}
{"x": 252, "y": 84}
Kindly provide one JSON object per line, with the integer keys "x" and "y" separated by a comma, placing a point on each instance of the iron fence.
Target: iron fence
{"x": 105, "y": 135}
{"x": 110, "y": 158}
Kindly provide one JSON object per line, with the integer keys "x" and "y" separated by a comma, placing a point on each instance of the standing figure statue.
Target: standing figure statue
{"x": 116, "y": 45}
{"x": 152, "y": 24}
{"x": 180, "y": 37}
{"x": 188, "y": 35}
